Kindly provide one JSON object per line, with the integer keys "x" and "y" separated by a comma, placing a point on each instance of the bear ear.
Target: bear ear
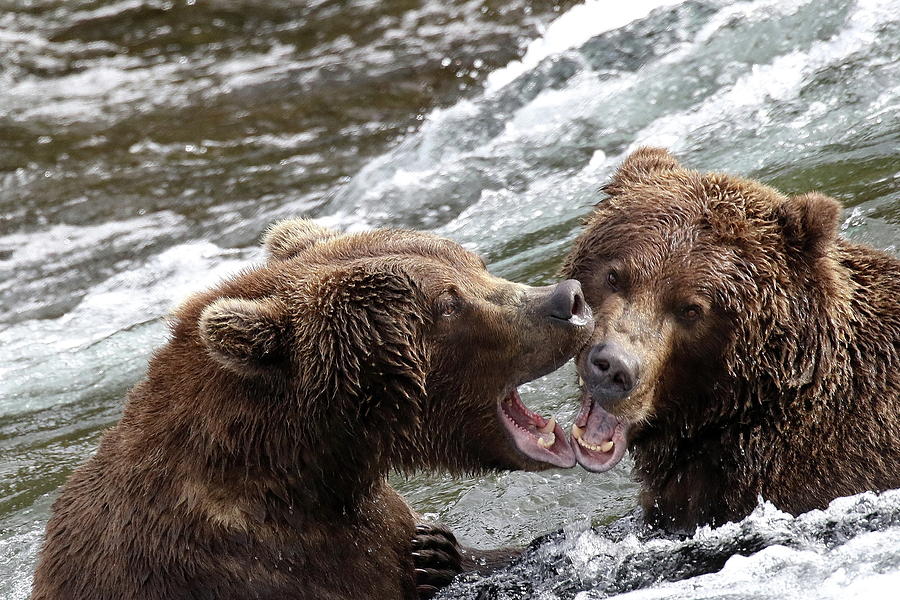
{"x": 288, "y": 238}
{"x": 246, "y": 336}
{"x": 641, "y": 165}
{"x": 810, "y": 223}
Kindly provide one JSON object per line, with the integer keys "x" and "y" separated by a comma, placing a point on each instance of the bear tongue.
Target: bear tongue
{"x": 600, "y": 441}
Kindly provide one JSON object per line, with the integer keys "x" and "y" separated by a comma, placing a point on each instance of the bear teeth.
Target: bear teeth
{"x": 604, "y": 447}
{"x": 547, "y": 440}
{"x": 549, "y": 427}
{"x": 588, "y": 446}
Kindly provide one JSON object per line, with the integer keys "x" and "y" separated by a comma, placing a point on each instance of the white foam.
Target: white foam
{"x": 254, "y": 69}
{"x": 573, "y": 28}
{"x": 107, "y": 312}
{"x": 61, "y": 241}
{"x": 866, "y": 566}
{"x": 746, "y": 102}
{"x": 116, "y": 81}
{"x": 18, "y": 554}
{"x": 863, "y": 568}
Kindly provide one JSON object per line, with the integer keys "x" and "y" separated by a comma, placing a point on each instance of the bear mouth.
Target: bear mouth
{"x": 599, "y": 437}
{"x": 536, "y": 437}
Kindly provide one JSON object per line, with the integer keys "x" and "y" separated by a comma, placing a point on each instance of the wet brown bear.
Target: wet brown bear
{"x": 742, "y": 348}
{"x": 251, "y": 461}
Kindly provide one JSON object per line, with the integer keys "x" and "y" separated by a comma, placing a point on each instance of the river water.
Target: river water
{"x": 145, "y": 144}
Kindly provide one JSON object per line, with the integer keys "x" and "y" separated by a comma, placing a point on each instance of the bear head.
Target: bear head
{"x": 385, "y": 349}
{"x": 707, "y": 290}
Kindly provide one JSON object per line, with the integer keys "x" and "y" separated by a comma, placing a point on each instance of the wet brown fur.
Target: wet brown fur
{"x": 788, "y": 386}
{"x": 251, "y": 461}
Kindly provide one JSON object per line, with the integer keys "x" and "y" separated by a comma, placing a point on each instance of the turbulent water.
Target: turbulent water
{"x": 144, "y": 145}
{"x": 850, "y": 550}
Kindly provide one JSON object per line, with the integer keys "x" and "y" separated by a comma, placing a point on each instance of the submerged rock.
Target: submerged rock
{"x": 852, "y": 544}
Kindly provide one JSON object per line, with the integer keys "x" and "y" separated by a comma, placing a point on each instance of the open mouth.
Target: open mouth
{"x": 599, "y": 437}
{"x": 536, "y": 437}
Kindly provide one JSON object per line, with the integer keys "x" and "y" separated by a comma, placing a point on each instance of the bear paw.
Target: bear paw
{"x": 436, "y": 559}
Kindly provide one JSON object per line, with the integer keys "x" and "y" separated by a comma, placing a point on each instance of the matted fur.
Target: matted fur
{"x": 252, "y": 460}
{"x": 789, "y": 386}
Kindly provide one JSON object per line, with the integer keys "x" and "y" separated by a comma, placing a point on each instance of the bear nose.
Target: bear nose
{"x": 612, "y": 371}
{"x": 566, "y": 301}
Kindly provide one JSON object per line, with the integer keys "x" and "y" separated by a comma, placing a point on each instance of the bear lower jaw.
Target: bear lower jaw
{"x": 607, "y": 435}
{"x": 534, "y": 436}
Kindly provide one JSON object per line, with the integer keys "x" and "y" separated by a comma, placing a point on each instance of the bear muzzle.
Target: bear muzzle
{"x": 612, "y": 372}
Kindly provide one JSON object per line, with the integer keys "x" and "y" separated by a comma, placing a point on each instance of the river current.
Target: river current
{"x": 146, "y": 144}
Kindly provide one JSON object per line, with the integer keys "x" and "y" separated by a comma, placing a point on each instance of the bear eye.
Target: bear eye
{"x": 691, "y": 312}
{"x": 612, "y": 278}
{"x": 447, "y": 304}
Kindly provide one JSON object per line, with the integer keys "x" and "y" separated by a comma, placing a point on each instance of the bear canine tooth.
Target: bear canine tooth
{"x": 577, "y": 432}
{"x": 549, "y": 427}
{"x": 545, "y": 441}
{"x": 606, "y": 447}
{"x": 580, "y": 381}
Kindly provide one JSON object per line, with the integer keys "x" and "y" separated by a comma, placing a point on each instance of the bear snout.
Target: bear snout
{"x": 566, "y": 303}
{"x": 612, "y": 372}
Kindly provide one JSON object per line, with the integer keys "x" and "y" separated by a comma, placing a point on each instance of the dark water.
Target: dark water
{"x": 144, "y": 146}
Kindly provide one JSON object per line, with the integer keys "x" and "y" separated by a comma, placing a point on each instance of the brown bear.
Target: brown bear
{"x": 251, "y": 461}
{"x": 742, "y": 348}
